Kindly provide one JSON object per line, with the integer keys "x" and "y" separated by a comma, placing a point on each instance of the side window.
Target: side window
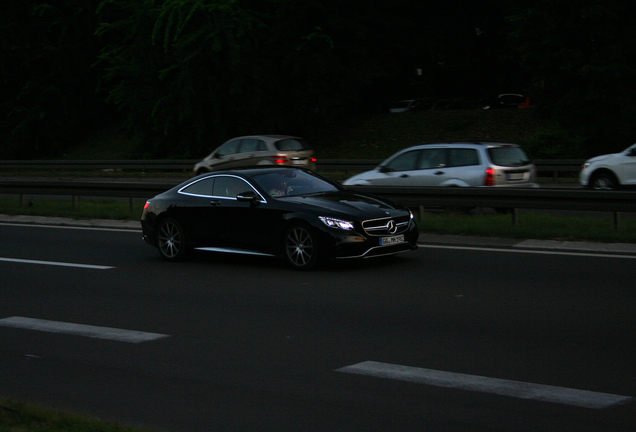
{"x": 202, "y": 187}
{"x": 404, "y": 162}
{"x": 462, "y": 157}
{"x": 433, "y": 158}
{"x": 251, "y": 145}
{"x": 229, "y": 148}
{"x": 230, "y": 187}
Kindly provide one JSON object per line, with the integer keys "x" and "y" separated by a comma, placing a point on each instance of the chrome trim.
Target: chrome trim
{"x": 235, "y": 251}
{"x": 364, "y": 255}
{"x": 381, "y": 230}
{"x": 180, "y": 191}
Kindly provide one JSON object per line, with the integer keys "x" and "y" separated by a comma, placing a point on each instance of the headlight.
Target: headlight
{"x": 586, "y": 164}
{"x": 336, "y": 223}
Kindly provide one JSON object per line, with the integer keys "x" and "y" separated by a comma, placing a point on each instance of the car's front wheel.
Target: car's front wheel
{"x": 301, "y": 247}
{"x": 603, "y": 181}
{"x": 171, "y": 240}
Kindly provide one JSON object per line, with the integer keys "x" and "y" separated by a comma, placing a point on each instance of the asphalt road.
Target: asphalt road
{"x": 452, "y": 337}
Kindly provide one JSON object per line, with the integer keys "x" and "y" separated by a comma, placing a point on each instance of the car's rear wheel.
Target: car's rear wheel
{"x": 171, "y": 240}
{"x": 603, "y": 181}
{"x": 301, "y": 247}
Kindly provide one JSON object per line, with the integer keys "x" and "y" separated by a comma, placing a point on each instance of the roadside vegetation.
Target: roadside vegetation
{"x": 22, "y": 417}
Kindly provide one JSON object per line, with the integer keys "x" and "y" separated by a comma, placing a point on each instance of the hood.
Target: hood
{"x": 601, "y": 158}
{"x": 349, "y": 204}
{"x": 362, "y": 178}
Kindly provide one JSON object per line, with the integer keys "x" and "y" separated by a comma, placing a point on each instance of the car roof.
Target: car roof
{"x": 468, "y": 144}
{"x": 268, "y": 136}
{"x": 253, "y": 170}
{"x": 247, "y": 172}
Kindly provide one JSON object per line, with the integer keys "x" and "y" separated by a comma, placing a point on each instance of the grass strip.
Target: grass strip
{"x": 532, "y": 225}
{"x": 22, "y": 417}
{"x": 63, "y": 207}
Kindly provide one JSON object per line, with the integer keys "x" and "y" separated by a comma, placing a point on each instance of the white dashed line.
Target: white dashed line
{"x": 80, "y": 329}
{"x": 56, "y": 263}
{"x": 518, "y": 389}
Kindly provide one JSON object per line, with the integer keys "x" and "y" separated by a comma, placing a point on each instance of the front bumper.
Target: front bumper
{"x": 344, "y": 245}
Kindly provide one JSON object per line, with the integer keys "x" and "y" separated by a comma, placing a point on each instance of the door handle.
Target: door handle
{"x": 439, "y": 172}
{"x": 215, "y": 202}
{"x": 404, "y": 176}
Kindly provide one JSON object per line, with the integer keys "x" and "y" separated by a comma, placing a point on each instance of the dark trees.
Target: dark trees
{"x": 188, "y": 74}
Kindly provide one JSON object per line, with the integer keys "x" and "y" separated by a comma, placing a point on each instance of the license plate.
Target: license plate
{"x": 516, "y": 176}
{"x": 299, "y": 161}
{"x": 384, "y": 241}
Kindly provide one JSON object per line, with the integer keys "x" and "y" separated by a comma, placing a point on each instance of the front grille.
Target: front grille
{"x": 382, "y": 227}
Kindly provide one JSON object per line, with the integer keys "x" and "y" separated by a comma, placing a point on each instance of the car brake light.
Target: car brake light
{"x": 490, "y": 177}
{"x": 313, "y": 158}
{"x": 280, "y": 160}
{"x": 146, "y": 205}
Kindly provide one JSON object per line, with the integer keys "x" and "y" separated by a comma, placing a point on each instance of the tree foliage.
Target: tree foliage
{"x": 582, "y": 57}
{"x": 48, "y": 96}
{"x": 188, "y": 74}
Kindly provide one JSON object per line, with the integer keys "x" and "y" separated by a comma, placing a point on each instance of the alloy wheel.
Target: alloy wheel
{"x": 171, "y": 240}
{"x": 300, "y": 248}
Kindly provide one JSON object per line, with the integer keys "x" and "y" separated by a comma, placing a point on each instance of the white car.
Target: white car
{"x": 610, "y": 171}
{"x": 453, "y": 164}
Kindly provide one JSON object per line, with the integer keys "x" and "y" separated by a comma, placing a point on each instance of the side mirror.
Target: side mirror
{"x": 250, "y": 196}
{"x": 632, "y": 152}
{"x": 384, "y": 169}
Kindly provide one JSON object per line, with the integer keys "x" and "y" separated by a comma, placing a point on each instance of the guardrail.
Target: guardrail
{"x": 416, "y": 198}
{"x": 77, "y": 189}
{"x": 615, "y": 202}
{"x": 548, "y": 166}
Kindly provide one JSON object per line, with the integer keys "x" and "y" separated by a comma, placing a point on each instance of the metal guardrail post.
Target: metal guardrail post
{"x": 515, "y": 216}
{"x": 617, "y": 220}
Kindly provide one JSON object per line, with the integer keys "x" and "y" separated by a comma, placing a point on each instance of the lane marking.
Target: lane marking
{"x": 115, "y": 334}
{"x": 518, "y": 389}
{"x": 55, "y": 263}
{"x": 525, "y": 251}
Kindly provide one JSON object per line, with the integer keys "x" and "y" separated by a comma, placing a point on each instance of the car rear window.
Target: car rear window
{"x": 508, "y": 156}
{"x": 292, "y": 145}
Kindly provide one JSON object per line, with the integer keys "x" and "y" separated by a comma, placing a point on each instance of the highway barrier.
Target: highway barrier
{"x": 416, "y": 198}
{"x": 552, "y": 168}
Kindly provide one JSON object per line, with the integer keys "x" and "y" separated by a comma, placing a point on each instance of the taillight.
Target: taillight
{"x": 313, "y": 158}
{"x": 490, "y": 177}
{"x": 281, "y": 160}
{"x": 146, "y": 205}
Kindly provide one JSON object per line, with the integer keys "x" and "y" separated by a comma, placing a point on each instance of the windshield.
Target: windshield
{"x": 508, "y": 156}
{"x": 279, "y": 183}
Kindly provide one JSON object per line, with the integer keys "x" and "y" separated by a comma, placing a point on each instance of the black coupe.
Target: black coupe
{"x": 289, "y": 212}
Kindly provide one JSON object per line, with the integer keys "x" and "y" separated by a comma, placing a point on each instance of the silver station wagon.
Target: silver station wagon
{"x": 463, "y": 164}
